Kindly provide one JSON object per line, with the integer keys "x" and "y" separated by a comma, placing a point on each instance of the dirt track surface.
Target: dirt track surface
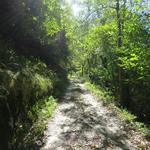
{"x": 81, "y": 122}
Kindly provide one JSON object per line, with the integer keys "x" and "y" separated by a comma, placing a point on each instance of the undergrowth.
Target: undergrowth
{"x": 100, "y": 92}
{"x": 31, "y": 132}
{"x": 25, "y": 99}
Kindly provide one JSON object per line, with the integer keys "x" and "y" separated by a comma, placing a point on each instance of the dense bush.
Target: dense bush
{"x": 33, "y": 61}
{"x": 23, "y": 84}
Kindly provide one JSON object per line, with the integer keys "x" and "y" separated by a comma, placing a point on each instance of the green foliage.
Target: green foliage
{"x": 104, "y": 95}
{"x": 23, "y": 83}
{"x": 123, "y": 69}
{"x": 52, "y": 20}
{"x": 33, "y": 129}
{"x": 127, "y": 116}
{"x": 33, "y": 62}
{"x": 143, "y": 128}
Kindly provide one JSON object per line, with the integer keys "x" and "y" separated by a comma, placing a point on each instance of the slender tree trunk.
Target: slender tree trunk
{"x": 123, "y": 89}
{"x": 123, "y": 15}
{"x": 119, "y": 44}
{"x": 119, "y": 24}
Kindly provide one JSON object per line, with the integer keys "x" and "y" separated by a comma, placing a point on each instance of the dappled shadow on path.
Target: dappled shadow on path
{"x": 81, "y": 122}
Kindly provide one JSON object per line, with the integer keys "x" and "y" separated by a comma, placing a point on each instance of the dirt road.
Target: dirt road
{"x": 81, "y": 122}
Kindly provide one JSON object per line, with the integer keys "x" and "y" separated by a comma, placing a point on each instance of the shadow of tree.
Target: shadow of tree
{"x": 88, "y": 121}
{"x": 89, "y": 129}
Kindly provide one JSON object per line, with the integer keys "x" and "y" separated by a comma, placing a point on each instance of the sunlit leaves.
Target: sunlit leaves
{"x": 52, "y": 12}
{"x": 52, "y": 27}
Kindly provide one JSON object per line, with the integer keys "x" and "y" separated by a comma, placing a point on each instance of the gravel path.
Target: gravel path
{"x": 81, "y": 122}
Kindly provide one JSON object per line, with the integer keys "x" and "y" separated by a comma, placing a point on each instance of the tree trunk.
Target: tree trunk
{"x": 123, "y": 89}
{"x": 119, "y": 44}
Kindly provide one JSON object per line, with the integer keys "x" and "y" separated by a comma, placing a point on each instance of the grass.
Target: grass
{"x": 124, "y": 114}
{"x": 44, "y": 83}
{"x": 100, "y": 92}
{"x": 41, "y": 112}
{"x": 32, "y": 131}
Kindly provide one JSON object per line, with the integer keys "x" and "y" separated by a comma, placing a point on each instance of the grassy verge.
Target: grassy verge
{"x": 31, "y": 132}
{"x": 122, "y": 113}
{"x": 100, "y": 92}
